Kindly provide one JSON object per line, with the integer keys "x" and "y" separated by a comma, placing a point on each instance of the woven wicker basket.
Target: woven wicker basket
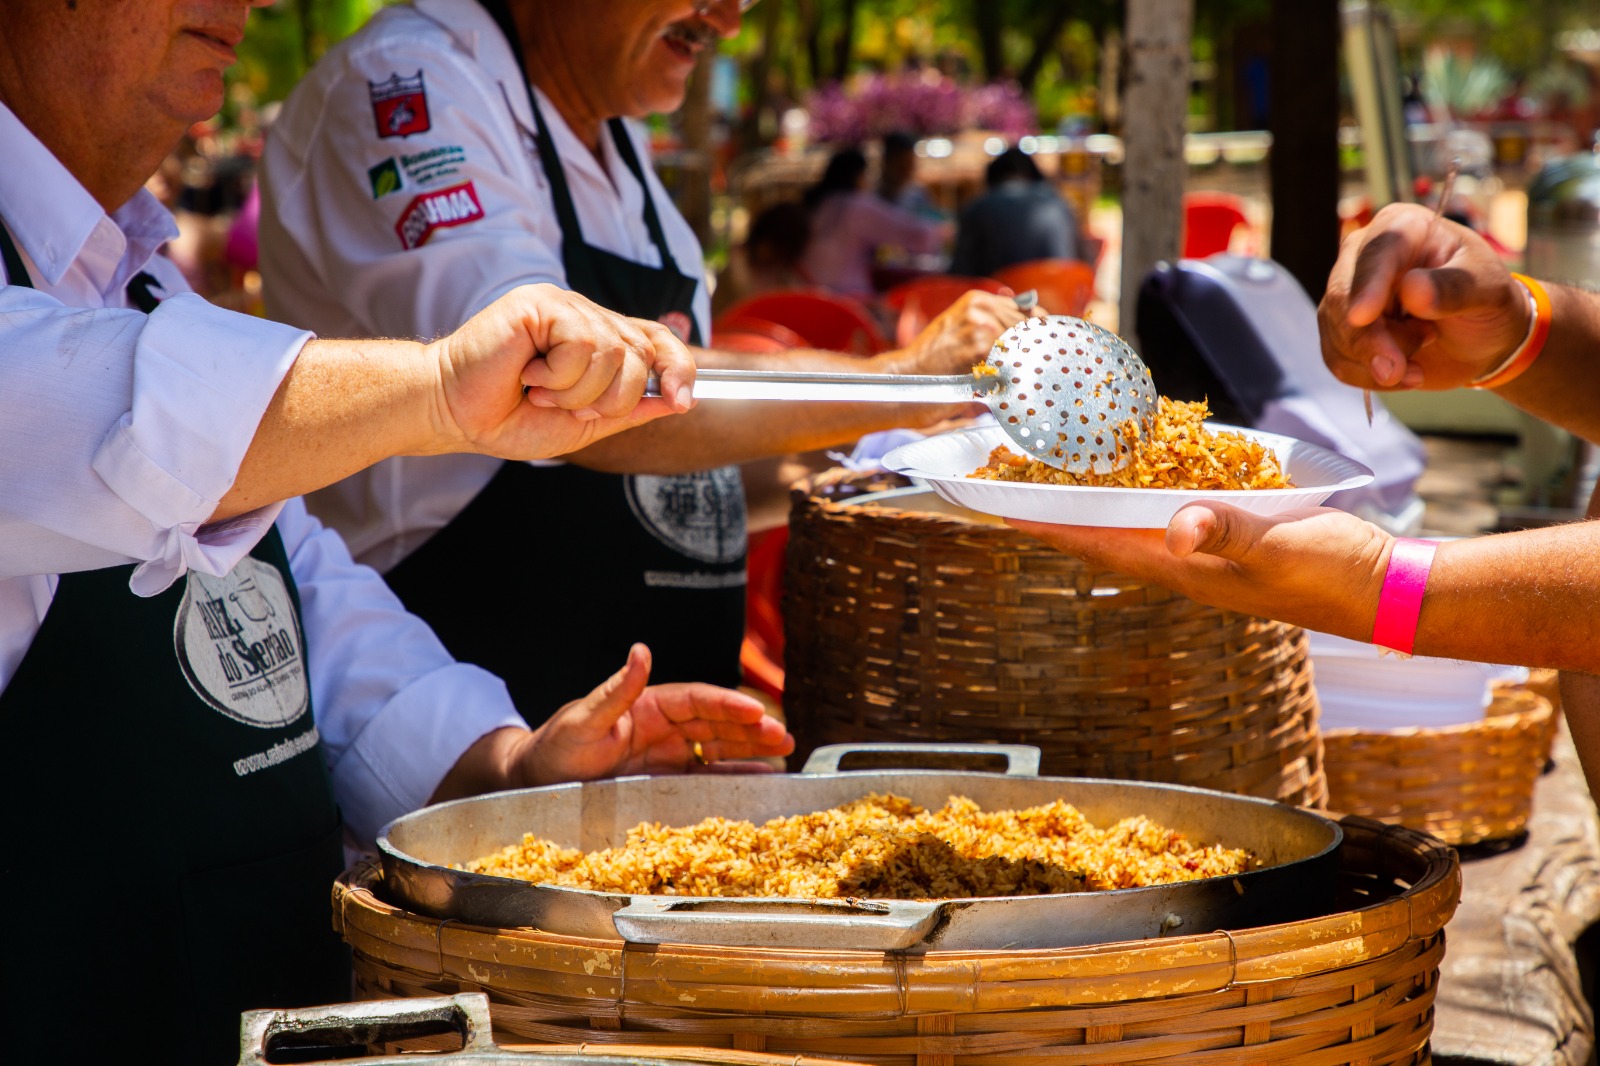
{"x": 1354, "y": 987}
{"x": 923, "y": 626}
{"x": 1463, "y": 783}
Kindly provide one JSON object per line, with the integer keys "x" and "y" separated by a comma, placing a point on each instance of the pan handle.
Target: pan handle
{"x": 1022, "y": 760}
{"x": 347, "y": 1025}
{"x": 860, "y": 925}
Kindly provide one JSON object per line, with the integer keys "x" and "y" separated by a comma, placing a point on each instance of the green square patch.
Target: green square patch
{"x": 385, "y": 178}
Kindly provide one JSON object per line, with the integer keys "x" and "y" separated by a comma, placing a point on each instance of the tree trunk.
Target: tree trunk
{"x": 1111, "y": 79}
{"x": 1153, "y": 167}
{"x": 1043, "y": 45}
{"x": 811, "y": 34}
{"x": 1303, "y": 103}
{"x": 986, "y": 19}
{"x": 845, "y": 43}
{"x": 694, "y": 198}
{"x": 759, "y": 74}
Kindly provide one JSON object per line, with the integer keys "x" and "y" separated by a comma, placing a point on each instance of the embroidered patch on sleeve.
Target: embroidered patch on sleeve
{"x": 385, "y": 178}
{"x": 440, "y": 209}
{"x": 399, "y": 106}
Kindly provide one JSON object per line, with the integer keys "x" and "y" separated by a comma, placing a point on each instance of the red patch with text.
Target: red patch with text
{"x": 454, "y": 206}
{"x": 679, "y": 323}
{"x": 399, "y": 106}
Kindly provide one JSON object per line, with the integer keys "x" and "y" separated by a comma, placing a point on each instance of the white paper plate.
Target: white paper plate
{"x": 944, "y": 461}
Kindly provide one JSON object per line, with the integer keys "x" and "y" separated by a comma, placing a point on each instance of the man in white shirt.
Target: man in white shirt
{"x": 453, "y": 149}
{"x": 209, "y": 732}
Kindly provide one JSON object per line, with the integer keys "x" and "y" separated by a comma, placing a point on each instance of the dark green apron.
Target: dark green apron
{"x": 173, "y": 836}
{"x": 631, "y": 557}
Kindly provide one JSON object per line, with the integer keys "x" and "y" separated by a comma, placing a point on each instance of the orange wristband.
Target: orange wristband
{"x": 1529, "y": 350}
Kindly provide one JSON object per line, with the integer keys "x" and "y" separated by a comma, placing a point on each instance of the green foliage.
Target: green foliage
{"x": 285, "y": 39}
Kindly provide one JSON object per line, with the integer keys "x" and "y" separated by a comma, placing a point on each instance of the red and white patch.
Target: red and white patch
{"x": 679, "y": 323}
{"x": 399, "y": 106}
{"x": 455, "y": 206}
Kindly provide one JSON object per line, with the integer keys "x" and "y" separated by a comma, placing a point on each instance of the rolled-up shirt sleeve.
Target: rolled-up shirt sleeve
{"x": 395, "y": 711}
{"x": 123, "y": 431}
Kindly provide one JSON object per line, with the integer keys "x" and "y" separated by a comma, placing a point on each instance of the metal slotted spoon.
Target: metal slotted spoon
{"x": 1058, "y": 386}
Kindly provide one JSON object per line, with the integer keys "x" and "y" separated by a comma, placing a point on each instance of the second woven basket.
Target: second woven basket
{"x": 910, "y": 624}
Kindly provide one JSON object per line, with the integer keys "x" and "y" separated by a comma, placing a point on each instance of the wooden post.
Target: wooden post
{"x": 1303, "y": 114}
{"x": 1153, "y": 167}
{"x": 695, "y": 197}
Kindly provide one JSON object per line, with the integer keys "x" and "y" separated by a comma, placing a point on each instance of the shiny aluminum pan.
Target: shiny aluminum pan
{"x": 1297, "y": 849}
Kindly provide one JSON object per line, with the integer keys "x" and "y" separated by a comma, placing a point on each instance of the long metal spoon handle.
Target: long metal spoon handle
{"x": 715, "y": 384}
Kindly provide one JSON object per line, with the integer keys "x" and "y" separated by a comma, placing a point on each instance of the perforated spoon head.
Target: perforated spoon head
{"x": 1066, "y": 385}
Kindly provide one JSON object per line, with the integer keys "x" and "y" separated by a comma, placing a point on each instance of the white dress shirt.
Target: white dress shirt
{"x": 120, "y": 433}
{"x": 334, "y": 229}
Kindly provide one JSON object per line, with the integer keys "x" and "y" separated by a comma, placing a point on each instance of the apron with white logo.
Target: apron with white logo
{"x": 629, "y": 557}
{"x": 173, "y": 837}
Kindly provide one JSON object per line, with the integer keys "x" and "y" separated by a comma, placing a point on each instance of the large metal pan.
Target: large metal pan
{"x": 1296, "y": 849}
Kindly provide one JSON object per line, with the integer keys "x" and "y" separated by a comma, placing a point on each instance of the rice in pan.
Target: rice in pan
{"x": 1174, "y": 450}
{"x": 880, "y": 846}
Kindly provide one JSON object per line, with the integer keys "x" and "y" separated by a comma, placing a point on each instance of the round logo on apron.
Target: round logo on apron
{"x": 679, "y": 323}
{"x": 238, "y": 640}
{"x": 700, "y": 515}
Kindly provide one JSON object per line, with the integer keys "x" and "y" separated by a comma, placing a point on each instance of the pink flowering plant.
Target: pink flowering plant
{"x": 925, "y": 104}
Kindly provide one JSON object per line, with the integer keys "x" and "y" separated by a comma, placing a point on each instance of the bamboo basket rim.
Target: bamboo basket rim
{"x": 962, "y": 981}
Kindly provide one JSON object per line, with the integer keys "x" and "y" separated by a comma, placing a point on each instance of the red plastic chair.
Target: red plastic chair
{"x": 1209, "y": 220}
{"x": 1065, "y": 286}
{"x": 920, "y": 300}
{"x": 757, "y": 338}
{"x": 761, "y": 655}
{"x": 826, "y": 320}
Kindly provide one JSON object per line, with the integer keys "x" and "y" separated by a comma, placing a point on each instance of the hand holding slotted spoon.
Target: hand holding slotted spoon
{"x": 1058, "y": 386}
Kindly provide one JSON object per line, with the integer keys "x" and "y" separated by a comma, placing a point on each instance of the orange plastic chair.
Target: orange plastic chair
{"x": 826, "y": 320}
{"x": 1209, "y": 219}
{"x": 761, "y": 655}
{"x": 918, "y": 301}
{"x": 1065, "y": 286}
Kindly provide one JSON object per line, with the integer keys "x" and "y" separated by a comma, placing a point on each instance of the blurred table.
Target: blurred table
{"x": 1513, "y": 985}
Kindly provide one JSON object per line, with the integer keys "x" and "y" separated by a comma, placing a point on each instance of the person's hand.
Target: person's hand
{"x": 627, "y": 727}
{"x": 1401, "y": 314}
{"x": 961, "y": 335}
{"x": 1318, "y": 567}
{"x": 543, "y": 371}
{"x": 958, "y": 339}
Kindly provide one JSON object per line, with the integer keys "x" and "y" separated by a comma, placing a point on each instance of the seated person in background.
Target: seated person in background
{"x": 849, "y": 225}
{"x": 768, "y": 259}
{"x": 1019, "y": 218}
{"x": 897, "y": 174}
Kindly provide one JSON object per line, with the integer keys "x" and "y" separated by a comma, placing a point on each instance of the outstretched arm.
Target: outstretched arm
{"x": 1527, "y": 598}
{"x": 539, "y": 373}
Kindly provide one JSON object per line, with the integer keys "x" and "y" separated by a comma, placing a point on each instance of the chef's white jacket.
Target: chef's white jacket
{"x": 119, "y": 434}
{"x": 343, "y": 206}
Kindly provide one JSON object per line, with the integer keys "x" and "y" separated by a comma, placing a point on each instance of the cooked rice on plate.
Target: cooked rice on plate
{"x": 880, "y": 847}
{"x": 1173, "y": 450}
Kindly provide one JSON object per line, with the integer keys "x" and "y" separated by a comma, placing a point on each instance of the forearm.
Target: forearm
{"x": 493, "y": 764}
{"x": 1530, "y": 598}
{"x": 1561, "y": 386}
{"x": 342, "y": 406}
{"x": 720, "y": 432}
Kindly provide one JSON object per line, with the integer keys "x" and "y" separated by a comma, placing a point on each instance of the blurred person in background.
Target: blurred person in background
{"x": 1412, "y": 306}
{"x": 897, "y": 175}
{"x": 1019, "y": 217}
{"x": 849, "y": 225}
{"x": 452, "y": 150}
{"x": 769, "y": 256}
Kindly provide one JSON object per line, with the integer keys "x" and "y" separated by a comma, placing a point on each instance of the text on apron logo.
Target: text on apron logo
{"x": 700, "y": 515}
{"x": 399, "y": 106}
{"x": 454, "y": 206}
{"x": 238, "y": 641}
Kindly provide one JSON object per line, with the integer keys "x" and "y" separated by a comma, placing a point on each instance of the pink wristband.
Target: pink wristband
{"x": 1400, "y": 602}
